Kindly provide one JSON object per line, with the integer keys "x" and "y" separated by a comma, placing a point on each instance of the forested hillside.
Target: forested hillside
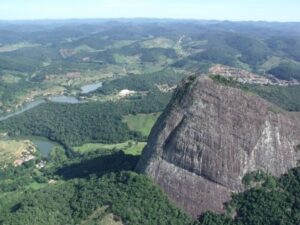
{"x": 37, "y": 60}
{"x": 269, "y": 201}
{"x": 76, "y": 124}
{"x": 88, "y": 177}
{"x": 86, "y": 189}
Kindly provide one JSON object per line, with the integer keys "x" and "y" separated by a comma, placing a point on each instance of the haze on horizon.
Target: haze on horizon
{"x": 235, "y": 10}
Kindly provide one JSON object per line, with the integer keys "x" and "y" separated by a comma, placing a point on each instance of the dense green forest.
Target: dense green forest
{"x": 132, "y": 197}
{"x": 285, "y": 97}
{"x": 75, "y": 124}
{"x": 287, "y": 71}
{"x": 271, "y": 201}
{"x": 90, "y": 186}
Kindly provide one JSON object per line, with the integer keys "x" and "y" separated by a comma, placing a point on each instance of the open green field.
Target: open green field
{"x": 129, "y": 147}
{"x": 16, "y": 46}
{"x": 158, "y": 42}
{"x": 271, "y": 63}
{"x": 141, "y": 122}
{"x": 10, "y": 79}
{"x": 101, "y": 217}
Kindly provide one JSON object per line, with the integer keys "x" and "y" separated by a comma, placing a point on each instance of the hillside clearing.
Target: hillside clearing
{"x": 141, "y": 122}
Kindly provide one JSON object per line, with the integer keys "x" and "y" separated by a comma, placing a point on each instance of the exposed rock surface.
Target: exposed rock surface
{"x": 210, "y": 136}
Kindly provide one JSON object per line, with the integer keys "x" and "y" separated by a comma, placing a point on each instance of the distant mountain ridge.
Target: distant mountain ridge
{"x": 55, "y": 56}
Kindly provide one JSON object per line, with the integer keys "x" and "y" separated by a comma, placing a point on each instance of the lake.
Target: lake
{"x": 59, "y": 99}
{"x": 44, "y": 145}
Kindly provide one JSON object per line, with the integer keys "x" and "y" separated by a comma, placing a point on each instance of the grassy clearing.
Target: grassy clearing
{"x": 159, "y": 42}
{"x": 14, "y": 47}
{"x": 10, "y": 150}
{"x": 271, "y": 63}
{"x": 109, "y": 219}
{"x": 199, "y": 43}
{"x": 10, "y": 79}
{"x": 120, "y": 44}
{"x": 127, "y": 59}
{"x": 129, "y": 147}
{"x": 84, "y": 48}
{"x": 86, "y": 77}
{"x": 101, "y": 217}
{"x": 141, "y": 122}
{"x": 36, "y": 186}
{"x": 135, "y": 149}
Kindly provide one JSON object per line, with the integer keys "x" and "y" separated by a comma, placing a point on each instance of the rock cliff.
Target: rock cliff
{"x": 210, "y": 136}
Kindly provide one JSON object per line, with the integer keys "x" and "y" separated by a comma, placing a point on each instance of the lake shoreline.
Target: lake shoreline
{"x": 67, "y": 99}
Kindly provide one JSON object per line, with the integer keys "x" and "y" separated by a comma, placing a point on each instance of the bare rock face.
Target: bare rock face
{"x": 210, "y": 136}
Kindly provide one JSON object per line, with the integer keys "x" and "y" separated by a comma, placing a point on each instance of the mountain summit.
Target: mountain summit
{"x": 210, "y": 136}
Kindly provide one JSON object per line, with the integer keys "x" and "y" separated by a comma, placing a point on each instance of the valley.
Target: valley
{"x": 79, "y": 99}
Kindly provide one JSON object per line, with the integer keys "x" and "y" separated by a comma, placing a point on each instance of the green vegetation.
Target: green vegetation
{"x": 272, "y": 62}
{"x": 252, "y": 51}
{"x": 101, "y": 217}
{"x": 142, "y": 123}
{"x": 274, "y": 201}
{"x": 216, "y": 56}
{"x": 284, "y": 97}
{"x": 133, "y": 198}
{"x": 128, "y": 147}
{"x": 92, "y": 187}
{"x": 92, "y": 182}
{"x": 135, "y": 148}
{"x": 14, "y": 180}
{"x": 133, "y": 55}
{"x": 254, "y": 178}
{"x": 76, "y": 124}
{"x": 16, "y": 46}
{"x": 142, "y": 82}
{"x": 11, "y": 150}
{"x": 229, "y": 82}
{"x": 158, "y": 42}
{"x": 286, "y": 71}
{"x": 288, "y": 45}
{"x": 87, "y": 188}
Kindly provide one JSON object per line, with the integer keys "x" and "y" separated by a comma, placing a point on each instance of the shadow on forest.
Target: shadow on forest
{"x": 99, "y": 166}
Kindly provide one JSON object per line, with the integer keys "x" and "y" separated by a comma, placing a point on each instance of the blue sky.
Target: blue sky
{"x": 269, "y": 10}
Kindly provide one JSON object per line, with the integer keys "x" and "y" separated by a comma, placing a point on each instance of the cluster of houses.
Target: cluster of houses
{"x": 25, "y": 157}
{"x": 248, "y": 77}
{"x": 28, "y": 155}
